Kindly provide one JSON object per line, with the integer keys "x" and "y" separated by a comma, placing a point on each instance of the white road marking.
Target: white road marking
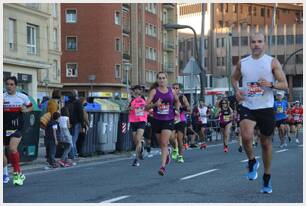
{"x": 198, "y": 174}
{"x": 283, "y": 150}
{"x": 116, "y": 199}
{"x": 300, "y": 145}
{"x": 256, "y": 157}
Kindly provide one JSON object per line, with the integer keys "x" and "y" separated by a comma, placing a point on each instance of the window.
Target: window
{"x": 268, "y": 13}
{"x": 117, "y": 18}
{"x": 71, "y": 43}
{"x": 250, "y": 10}
{"x": 12, "y": 34}
{"x": 32, "y": 38}
{"x": 241, "y": 8}
{"x": 55, "y": 42}
{"x": 222, "y": 42}
{"x": 235, "y": 41}
{"x": 205, "y": 61}
{"x": 118, "y": 45}
{"x": 298, "y": 80}
{"x": 71, "y": 70}
{"x": 226, "y": 7}
{"x": 223, "y": 61}
{"x": 254, "y": 11}
{"x": 299, "y": 39}
{"x": 71, "y": 16}
{"x": 290, "y": 39}
{"x": 244, "y": 41}
{"x": 218, "y": 61}
{"x": 118, "y": 71}
{"x": 262, "y": 12}
{"x": 54, "y": 10}
{"x": 206, "y": 43}
{"x": 56, "y": 70}
{"x": 235, "y": 8}
{"x": 151, "y": 7}
{"x": 280, "y": 40}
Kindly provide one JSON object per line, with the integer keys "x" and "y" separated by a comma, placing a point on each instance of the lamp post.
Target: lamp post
{"x": 127, "y": 69}
{"x": 197, "y": 56}
{"x": 91, "y": 78}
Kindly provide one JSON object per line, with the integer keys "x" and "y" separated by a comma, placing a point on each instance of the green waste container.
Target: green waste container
{"x": 28, "y": 147}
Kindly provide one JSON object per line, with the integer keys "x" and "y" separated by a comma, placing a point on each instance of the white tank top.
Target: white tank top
{"x": 256, "y": 97}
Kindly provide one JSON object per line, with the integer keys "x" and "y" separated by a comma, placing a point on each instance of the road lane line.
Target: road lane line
{"x": 300, "y": 145}
{"x": 198, "y": 174}
{"x": 116, "y": 199}
{"x": 256, "y": 157}
{"x": 283, "y": 150}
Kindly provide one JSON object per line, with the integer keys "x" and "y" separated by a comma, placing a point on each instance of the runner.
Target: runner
{"x": 201, "y": 115}
{"x": 225, "y": 116}
{"x": 180, "y": 126}
{"x": 280, "y": 108}
{"x": 258, "y": 72}
{"x": 162, "y": 99}
{"x": 138, "y": 119}
{"x": 148, "y": 133}
{"x": 295, "y": 120}
{"x": 15, "y": 104}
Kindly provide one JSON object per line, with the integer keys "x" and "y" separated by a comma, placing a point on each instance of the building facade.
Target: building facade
{"x": 32, "y": 46}
{"x": 116, "y": 46}
{"x": 228, "y": 29}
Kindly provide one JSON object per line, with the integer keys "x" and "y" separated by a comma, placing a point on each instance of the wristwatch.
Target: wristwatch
{"x": 272, "y": 86}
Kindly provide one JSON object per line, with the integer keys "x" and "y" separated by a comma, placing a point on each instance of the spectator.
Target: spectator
{"x": 85, "y": 126}
{"x": 54, "y": 104}
{"x": 77, "y": 121}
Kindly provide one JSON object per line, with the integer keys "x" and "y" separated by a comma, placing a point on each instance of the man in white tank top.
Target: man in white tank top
{"x": 258, "y": 72}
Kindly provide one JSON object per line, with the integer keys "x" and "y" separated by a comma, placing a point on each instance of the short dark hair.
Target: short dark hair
{"x": 137, "y": 87}
{"x": 56, "y": 94}
{"x": 56, "y": 115}
{"x": 13, "y": 78}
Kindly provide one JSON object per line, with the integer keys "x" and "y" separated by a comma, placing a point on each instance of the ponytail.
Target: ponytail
{"x": 153, "y": 86}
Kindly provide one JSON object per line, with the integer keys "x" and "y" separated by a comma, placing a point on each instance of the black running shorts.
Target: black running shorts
{"x": 159, "y": 125}
{"x": 138, "y": 125}
{"x": 280, "y": 122}
{"x": 264, "y": 118}
{"x": 180, "y": 127}
{"x": 8, "y": 134}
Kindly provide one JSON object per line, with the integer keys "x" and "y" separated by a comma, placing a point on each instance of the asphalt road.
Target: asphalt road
{"x": 207, "y": 176}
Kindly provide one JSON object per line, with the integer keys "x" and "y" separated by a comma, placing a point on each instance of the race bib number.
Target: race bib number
{"x": 296, "y": 117}
{"x": 280, "y": 109}
{"x": 226, "y": 118}
{"x": 254, "y": 89}
{"x": 139, "y": 111}
{"x": 10, "y": 132}
{"x": 163, "y": 109}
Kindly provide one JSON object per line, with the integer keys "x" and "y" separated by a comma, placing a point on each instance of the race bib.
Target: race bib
{"x": 280, "y": 109}
{"x": 10, "y": 132}
{"x": 226, "y": 118}
{"x": 139, "y": 111}
{"x": 296, "y": 117}
{"x": 254, "y": 89}
{"x": 163, "y": 109}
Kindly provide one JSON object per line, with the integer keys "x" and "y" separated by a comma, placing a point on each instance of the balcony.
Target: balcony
{"x": 168, "y": 45}
{"x": 169, "y": 6}
{"x": 126, "y": 55}
{"x": 169, "y": 67}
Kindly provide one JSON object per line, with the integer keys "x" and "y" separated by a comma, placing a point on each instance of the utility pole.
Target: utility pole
{"x": 272, "y": 28}
{"x": 202, "y": 55}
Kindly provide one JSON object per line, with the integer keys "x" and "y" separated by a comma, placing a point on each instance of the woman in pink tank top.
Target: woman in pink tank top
{"x": 138, "y": 119}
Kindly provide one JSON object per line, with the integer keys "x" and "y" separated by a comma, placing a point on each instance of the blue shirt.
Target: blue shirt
{"x": 280, "y": 108}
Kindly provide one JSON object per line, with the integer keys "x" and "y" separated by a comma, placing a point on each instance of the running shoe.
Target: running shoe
{"x": 162, "y": 171}
{"x": 55, "y": 165}
{"x": 61, "y": 163}
{"x": 289, "y": 138}
{"x": 193, "y": 146}
{"x": 180, "y": 159}
{"x": 18, "y": 178}
{"x": 203, "y": 146}
{"x": 168, "y": 156}
{"x": 240, "y": 149}
{"x": 186, "y": 146}
{"x": 252, "y": 174}
{"x": 297, "y": 141}
{"x": 6, "y": 179}
{"x": 225, "y": 149}
{"x": 67, "y": 164}
{"x": 285, "y": 145}
{"x": 174, "y": 153}
{"x": 267, "y": 186}
{"x": 135, "y": 163}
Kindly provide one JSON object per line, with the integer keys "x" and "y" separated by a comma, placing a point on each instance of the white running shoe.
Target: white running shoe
{"x": 297, "y": 141}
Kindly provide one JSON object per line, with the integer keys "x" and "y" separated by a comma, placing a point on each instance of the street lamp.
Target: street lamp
{"x": 91, "y": 78}
{"x": 197, "y": 56}
{"x": 127, "y": 69}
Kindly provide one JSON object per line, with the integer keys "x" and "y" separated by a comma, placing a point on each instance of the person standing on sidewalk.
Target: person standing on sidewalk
{"x": 258, "y": 72}
{"x": 76, "y": 119}
{"x": 138, "y": 118}
{"x": 15, "y": 105}
{"x": 165, "y": 104}
{"x": 180, "y": 126}
{"x": 280, "y": 108}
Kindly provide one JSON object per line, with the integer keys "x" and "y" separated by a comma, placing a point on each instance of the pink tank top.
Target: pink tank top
{"x": 138, "y": 114}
